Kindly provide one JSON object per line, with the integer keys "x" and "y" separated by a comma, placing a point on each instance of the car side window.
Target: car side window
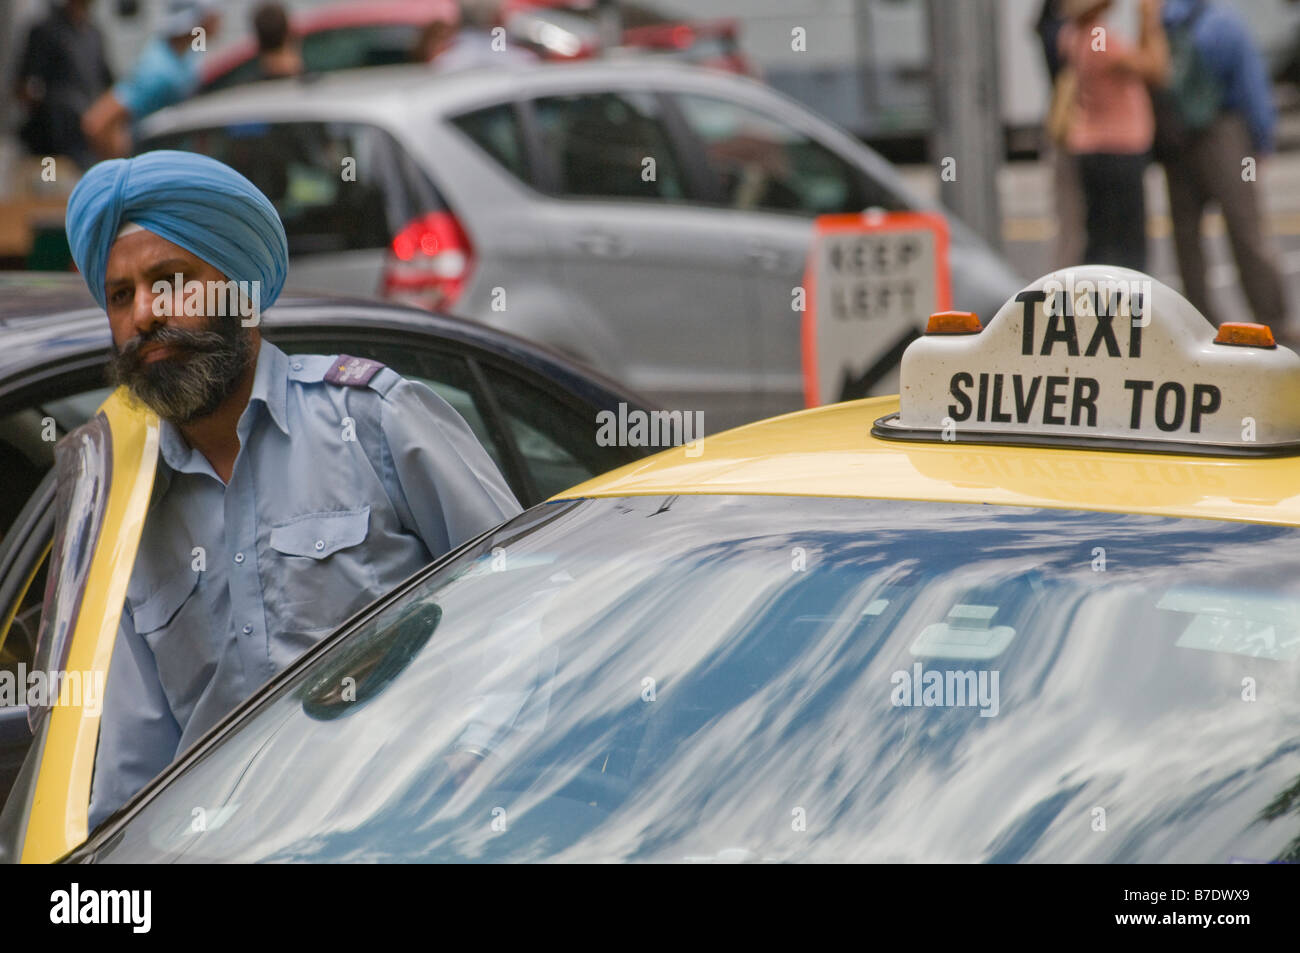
{"x": 24, "y": 459}
{"x": 497, "y": 132}
{"x": 557, "y": 443}
{"x": 24, "y": 567}
{"x": 609, "y": 145}
{"x": 27, "y": 439}
{"x": 448, "y": 375}
{"x": 336, "y": 49}
{"x": 250, "y": 71}
{"x": 357, "y": 46}
{"x": 760, "y": 163}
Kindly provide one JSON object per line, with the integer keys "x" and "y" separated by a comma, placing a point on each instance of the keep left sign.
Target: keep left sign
{"x": 872, "y": 281}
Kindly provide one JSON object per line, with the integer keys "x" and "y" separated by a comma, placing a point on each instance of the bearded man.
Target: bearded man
{"x": 311, "y": 484}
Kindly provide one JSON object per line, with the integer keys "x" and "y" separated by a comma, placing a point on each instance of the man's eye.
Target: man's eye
{"x": 119, "y": 297}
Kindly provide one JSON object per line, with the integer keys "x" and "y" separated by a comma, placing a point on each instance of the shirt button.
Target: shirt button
{"x": 247, "y": 629}
{"x": 320, "y": 544}
{"x": 239, "y": 557}
{"x": 297, "y": 365}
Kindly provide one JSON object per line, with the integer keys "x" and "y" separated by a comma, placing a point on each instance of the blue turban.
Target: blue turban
{"x": 200, "y": 204}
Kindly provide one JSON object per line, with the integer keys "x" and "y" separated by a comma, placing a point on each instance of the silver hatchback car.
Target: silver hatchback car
{"x": 648, "y": 218}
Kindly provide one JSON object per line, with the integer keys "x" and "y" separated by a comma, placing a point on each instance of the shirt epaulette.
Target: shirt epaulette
{"x": 343, "y": 370}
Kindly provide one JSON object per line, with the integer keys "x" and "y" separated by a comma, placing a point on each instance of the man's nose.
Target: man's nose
{"x": 145, "y": 310}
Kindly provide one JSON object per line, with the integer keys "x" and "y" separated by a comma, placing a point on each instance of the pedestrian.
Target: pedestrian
{"x": 278, "y": 51}
{"x": 311, "y": 484}
{"x": 61, "y": 72}
{"x": 1224, "y": 122}
{"x": 1112, "y": 125}
{"x": 1066, "y": 188}
{"x": 166, "y": 73}
{"x": 480, "y": 41}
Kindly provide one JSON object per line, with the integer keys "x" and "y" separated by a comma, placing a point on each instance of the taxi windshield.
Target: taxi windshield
{"x": 707, "y": 678}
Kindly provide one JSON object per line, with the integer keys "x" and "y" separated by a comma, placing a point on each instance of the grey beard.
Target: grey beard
{"x": 194, "y": 383}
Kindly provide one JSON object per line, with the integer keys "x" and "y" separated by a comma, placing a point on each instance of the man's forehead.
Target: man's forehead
{"x": 141, "y": 249}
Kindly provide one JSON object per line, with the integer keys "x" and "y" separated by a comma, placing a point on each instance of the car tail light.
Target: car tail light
{"x": 428, "y": 262}
{"x": 682, "y": 37}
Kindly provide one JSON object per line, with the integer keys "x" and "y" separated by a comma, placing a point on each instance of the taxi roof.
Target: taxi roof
{"x": 830, "y": 451}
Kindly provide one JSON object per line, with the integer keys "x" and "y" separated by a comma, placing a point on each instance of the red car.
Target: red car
{"x": 384, "y": 32}
{"x": 341, "y": 36}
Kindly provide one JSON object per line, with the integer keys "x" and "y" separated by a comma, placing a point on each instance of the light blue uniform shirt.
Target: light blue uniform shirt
{"x": 160, "y": 78}
{"x": 338, "y": 493}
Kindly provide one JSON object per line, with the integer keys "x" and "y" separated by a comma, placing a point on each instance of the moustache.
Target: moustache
{"x": 130, "y": 360}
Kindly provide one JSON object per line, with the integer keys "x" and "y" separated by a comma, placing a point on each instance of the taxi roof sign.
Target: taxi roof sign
{"x": 1102, "y": 357}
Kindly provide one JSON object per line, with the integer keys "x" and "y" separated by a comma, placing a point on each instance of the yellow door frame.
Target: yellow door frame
{"x": 58, "y": 817}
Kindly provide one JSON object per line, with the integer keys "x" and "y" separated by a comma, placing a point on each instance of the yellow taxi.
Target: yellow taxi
{"x": 1042, "y": 606}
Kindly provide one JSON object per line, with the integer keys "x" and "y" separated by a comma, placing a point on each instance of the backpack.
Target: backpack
{"x": 1193, "y": 96}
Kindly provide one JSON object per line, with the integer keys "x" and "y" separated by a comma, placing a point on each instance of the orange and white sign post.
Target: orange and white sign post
{"x": 872, "y": 281}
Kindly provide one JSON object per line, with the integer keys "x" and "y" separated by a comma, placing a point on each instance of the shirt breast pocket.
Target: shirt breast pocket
{"x": 172, "y": 623}
{"x": 318, "y": 573}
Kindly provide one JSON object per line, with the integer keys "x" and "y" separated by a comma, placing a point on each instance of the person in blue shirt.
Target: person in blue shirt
{"x": 291, "y": 491}
{"x": 1210, "y": 167}
{"x": 166, "y": 73}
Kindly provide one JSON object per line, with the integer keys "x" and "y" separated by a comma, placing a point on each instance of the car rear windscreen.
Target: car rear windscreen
{"x": 338, "y": 186}
{"x": 324, "y": 51}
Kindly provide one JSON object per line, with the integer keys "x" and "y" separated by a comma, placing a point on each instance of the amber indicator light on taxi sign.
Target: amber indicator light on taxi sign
{"x": 954, "y": 322}
{"x": 1242, "y": 334}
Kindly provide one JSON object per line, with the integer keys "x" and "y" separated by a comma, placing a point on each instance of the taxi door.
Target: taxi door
{"x": 104, "y": 471}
